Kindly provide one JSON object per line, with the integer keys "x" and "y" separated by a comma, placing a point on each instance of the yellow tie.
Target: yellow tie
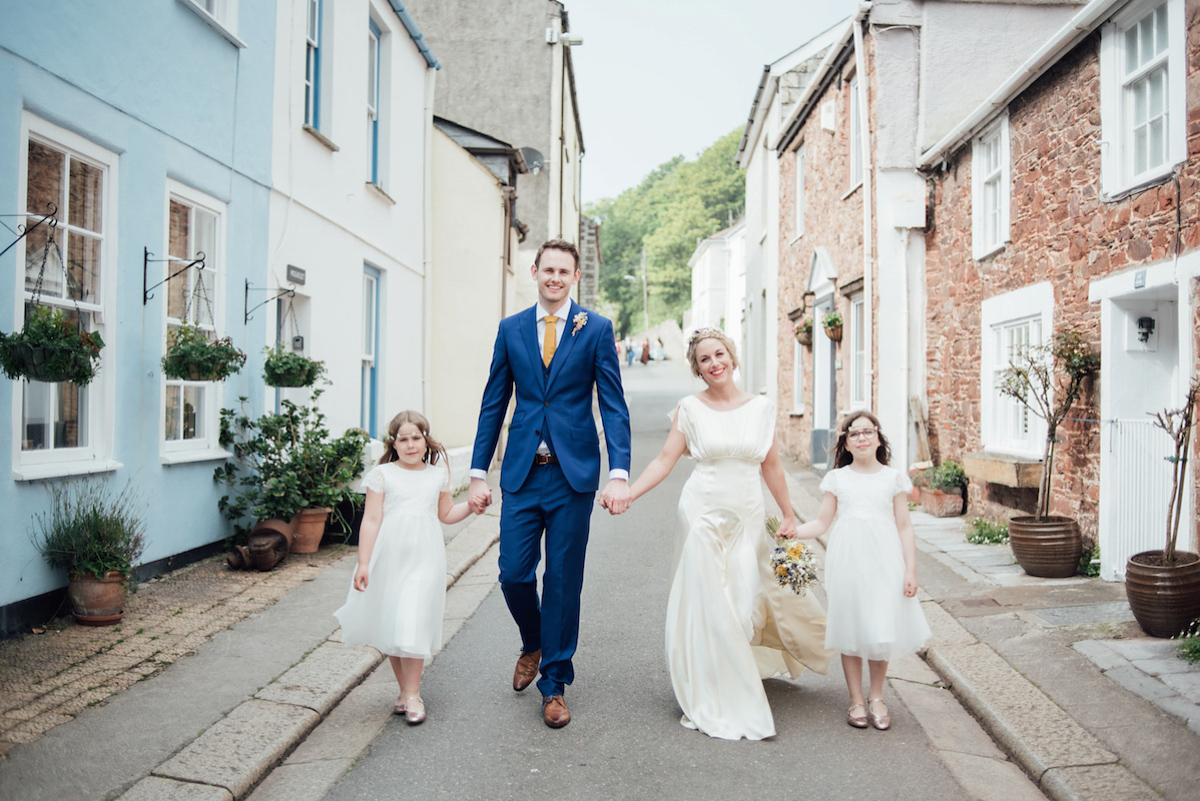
{"x": 550, "y": 340}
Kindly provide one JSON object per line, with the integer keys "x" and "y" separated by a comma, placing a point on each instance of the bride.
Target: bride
{"x": 729, "y": 624}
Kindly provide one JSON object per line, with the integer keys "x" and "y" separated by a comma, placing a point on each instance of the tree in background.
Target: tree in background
{"x": 677, "y": 204}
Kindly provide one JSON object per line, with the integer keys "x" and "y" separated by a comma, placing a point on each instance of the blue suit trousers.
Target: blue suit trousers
{"x": 546, "y": 504}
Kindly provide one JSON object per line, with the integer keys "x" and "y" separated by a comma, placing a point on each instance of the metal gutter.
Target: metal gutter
{"x": 750, "y": 121}
{"x": 1076, "y": 30}
{"x": 415, "y": 33}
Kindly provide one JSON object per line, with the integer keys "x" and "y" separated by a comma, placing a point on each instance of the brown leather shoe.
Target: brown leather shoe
{"x": 527, "y": 669}
{"x": 554, "y": 711}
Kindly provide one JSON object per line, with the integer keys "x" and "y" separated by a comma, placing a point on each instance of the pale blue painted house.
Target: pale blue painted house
{"x": 147, "y": 124}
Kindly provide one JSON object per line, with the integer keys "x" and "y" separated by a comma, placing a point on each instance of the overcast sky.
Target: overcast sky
{"x": 661, "y": 78}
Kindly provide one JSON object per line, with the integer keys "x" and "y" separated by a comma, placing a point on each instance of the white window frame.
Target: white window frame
{"x": 1118, "y": 172}
{"x": 220, "y": 15}
{"x": 991, "y": 189}
{"x": 859, "y": 380}
{"x": 1031, "y": 306}
{"x": 797, "y": 377}
{"x": 207, "y": 447}
{"x": 96, "y": 455}
{"x": 369, "y": 376}
{"x": 374, "y": 111}
{"x": 855, "y": 137}
{"x": 799, "y": 192}
{"x": 312, "y": 64}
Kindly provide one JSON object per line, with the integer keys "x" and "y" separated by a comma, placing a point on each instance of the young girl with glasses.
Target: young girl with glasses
{"x": 870, "y": 565}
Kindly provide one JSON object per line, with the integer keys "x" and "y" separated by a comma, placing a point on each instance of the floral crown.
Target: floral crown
{"x": 704, "y": 333}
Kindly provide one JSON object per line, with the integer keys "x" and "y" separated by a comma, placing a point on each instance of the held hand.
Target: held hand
{"x": 787, "y": 529}
{"x": 360, "y": 578}
{"x": 910, "y": 583}
{"x": 615, "y": 497}
{"x": 479, "y": 496}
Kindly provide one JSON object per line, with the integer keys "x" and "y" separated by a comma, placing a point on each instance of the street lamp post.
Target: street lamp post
{"x": 645, "y": 293}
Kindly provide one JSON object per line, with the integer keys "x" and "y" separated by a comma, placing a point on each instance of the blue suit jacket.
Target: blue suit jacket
{"x": 554, "y": 405}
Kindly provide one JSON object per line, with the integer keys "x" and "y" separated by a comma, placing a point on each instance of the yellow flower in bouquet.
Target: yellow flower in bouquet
{"x": 794, "y": 563}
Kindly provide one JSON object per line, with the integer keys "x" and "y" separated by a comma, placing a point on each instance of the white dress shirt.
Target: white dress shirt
{"x": 560, "y": 326}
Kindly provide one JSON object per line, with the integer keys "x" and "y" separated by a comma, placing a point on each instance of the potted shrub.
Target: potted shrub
{"x": 943, "y": 489}
{"x": 287, "y": 466}
{"x": 1163, "y": 586}
{"x": 1048, "y": 379}
{"x": 286, "y": 368}
{"x": 803, "y": 331}
{"x": 832, "y": 322}
{"x": 98, "y": 537}
{"x": 50, "y": 348}
{"x": 195, "y": 355}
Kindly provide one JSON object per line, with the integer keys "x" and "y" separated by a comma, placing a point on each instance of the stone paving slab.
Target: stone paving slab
{"x": 1097, "y": 783}
{"x": 240, "y": 749}
{"x": 1087, "y": 613}
{"x": 156, "y": 788}
{"x": 322, "y": 678}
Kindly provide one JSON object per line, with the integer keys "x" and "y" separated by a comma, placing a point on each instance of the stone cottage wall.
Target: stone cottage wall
{"x": 1063, "y": 232}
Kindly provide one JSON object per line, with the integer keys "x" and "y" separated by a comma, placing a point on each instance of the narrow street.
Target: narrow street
{"x": 483, "y": 741}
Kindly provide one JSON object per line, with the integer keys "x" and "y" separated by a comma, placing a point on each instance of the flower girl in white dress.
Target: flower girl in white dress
{"x": 870, "y": 564}
{"x": 398, "y": 595}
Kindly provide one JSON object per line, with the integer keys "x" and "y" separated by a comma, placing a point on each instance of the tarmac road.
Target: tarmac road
{"x": 483, "y": 741}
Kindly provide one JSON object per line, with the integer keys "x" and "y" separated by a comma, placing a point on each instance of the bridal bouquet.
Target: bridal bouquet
{"x": 793, "y": 563}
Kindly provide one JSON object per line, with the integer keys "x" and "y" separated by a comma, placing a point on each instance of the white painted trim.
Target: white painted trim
{"x": 187, "y": 457}
{"x": 102, "y": 390}
{"x": 1028, "y": 301}
{"x": 979, "y": 246}
{"x": 1116, "y": 176}
{"x": 222, "y": 26}
{"x": 65, "y": 469}
{"x": 213, "y": 390}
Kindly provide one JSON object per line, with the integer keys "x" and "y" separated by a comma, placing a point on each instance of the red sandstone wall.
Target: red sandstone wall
{"x": 1062, "y": 231}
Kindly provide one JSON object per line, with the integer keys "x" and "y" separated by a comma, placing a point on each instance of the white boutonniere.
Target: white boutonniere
{"x": 580, "y": 320}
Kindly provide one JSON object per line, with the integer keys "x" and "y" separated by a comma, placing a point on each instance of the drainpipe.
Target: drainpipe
{"x": 427, "y": 237}
{"x": 864, "y": 9}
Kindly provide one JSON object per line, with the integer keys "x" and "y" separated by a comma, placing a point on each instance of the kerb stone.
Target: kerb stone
{"x": 239, "y": 750}
{"x": 322, "y": 678}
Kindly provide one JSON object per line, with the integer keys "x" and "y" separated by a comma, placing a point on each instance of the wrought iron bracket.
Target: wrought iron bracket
{"x": 21, "y": 231}
{"x": 291, "y": 293}
{"x": 198, "y": 263}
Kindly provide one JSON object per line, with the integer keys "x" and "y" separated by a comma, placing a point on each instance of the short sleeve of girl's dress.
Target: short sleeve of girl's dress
{"x": 903, "y": 483}
{"x": 446, "y": 485}
{"x": 374, "y": 480}
{"x": 829, "y": 483}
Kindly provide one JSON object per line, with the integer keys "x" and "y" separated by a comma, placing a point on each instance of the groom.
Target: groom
{"x": 552, "y": 354}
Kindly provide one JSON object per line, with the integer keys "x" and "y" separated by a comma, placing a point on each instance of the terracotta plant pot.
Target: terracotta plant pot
{"x": 1046, "y": 547}
{"x": 942, "y": 503}
{"x": 97, "y": 601}
{"x": 268, "y": 543}
{"x": 308, "y": 526}
{"x": 1164, "y": 598}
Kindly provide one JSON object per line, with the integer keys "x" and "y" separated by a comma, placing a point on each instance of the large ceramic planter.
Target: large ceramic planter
{"x": 97, "y": 601}
{"x": 308, "y": 526}
{"x": 1164, "y": 599}
{"x": 1046, "y": 547}
{"x": 942, "y": 503}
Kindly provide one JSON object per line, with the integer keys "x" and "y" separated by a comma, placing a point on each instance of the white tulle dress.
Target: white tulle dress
{"x": 729, "y": 623}
{"x": 869, "y": 616}
{"x": 400, "y": 613}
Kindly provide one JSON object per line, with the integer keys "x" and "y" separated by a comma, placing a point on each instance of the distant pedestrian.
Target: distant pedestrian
{"x": 645, "y": 351}
{"x": 629, "y": 352}
{"x": 398, "y": 594}
{"x": 871, "y": 564}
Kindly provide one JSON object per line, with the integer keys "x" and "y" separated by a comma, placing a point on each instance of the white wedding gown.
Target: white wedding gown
{"x": 729, "y": 623}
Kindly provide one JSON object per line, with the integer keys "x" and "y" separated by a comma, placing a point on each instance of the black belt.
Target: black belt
{"x": 544, "y": 458}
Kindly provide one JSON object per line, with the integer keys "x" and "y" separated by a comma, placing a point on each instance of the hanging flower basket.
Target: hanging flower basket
{"x": 192, "y": 356}
{"x": 50, "y": 348}
{"x": 286, "y": 368}
{"x": 832, "y": 323}
{"x": 803, "y": 331}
